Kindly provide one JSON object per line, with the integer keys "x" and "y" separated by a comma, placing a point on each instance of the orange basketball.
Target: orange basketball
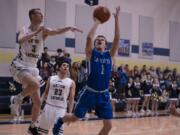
{"x": 102, "y": 14}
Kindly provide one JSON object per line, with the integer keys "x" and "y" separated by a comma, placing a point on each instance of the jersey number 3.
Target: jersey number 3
{"x": 33, "y": 48}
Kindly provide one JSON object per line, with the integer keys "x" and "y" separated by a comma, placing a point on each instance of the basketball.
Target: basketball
{"x": 102, "y": 14}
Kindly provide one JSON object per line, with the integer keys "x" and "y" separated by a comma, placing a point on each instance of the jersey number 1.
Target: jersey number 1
{"x": 102, "y": 69}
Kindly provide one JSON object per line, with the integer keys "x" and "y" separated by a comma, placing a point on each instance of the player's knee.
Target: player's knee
{"x": 38, "y": 101}
{"x": 36, "y": 105}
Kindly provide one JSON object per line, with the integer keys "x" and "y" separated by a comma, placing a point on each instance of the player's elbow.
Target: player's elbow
{"x": 89, "y": 38}
{"x": 20, "y": 41}
{"x": 116, "y": 39}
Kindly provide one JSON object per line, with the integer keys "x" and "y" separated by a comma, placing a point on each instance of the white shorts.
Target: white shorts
{"x": 147, "y": 95}
{"x": 49, "y": 117}
{"x": 19, "y": 70}
{"x": 136, "y": 98}
{"x": 173, "y": 99}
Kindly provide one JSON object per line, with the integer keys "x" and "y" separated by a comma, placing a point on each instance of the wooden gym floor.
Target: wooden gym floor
{"x": 162, "y": 125}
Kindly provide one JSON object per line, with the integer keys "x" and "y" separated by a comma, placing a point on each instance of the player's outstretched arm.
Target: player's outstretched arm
{"x": 23, "y": 37}
{"x": 51, "y": 32}
{"x": 115, "y": 43}
{"x": 89, "y": 40}
{"x": 71, "y": 97}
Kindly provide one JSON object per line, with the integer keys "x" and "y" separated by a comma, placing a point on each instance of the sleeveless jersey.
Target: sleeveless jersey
{"x": 30, "y": 50}
{"x": 59, "y": 91}
{"x": 100, "y": 66}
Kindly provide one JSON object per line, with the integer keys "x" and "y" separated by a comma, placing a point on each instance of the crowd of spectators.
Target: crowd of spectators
{"x": 47, "y": 63}
{"x": 132, "y": 84}
{"x": 122, "y": 76}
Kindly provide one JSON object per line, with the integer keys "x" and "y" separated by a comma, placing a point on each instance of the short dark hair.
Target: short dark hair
{"x": 59, "y": 50}
{"x": 102, "y": 37}
{"x": 45, "y": 48}
{"x": 59, "y": 64}
{"x": 32, "y": 11}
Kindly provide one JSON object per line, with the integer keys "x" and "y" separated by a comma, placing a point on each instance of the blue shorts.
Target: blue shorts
{"x": 92, "y": 100}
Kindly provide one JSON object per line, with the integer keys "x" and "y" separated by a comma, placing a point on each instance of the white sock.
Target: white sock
{"x": 33, "y": 124}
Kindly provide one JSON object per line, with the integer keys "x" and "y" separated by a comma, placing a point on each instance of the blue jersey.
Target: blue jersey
{"x": 100, "y": 70}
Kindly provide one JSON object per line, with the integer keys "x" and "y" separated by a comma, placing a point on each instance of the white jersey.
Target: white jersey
{"x": 59, "y": 91}
{"x": 30, "y": 51}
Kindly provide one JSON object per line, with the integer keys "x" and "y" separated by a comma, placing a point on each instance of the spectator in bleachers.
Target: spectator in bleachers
{"x": 168, "y": 81}
{"x": 162, "y": 84}
{"x": 75, "y": 71}
{"x": 129, "y": 100}
{"x": 45, "y": 71}
{"x": 174, "y": 74}
{"x": 173, "y": 94}
{"x": 74, "y": 75}
{"x": 83, "y": 74}
{"x": 155, "y": 96}
{"x": 45, "y": 57}
{"x": 166, "y": 70}
{"x": 135, "y": 72}
{"x": 60, "y": 55}
{"x": 178, "y": 87}
{"x": 52, "y": 65}
{"x": 143, "y": 75}
{"x": 112, "y": 91}
{"x": 152, "y": 72}
{"x": 115, "y": 76}
{"x": 158, "y": 71}
{"x": 144, "y": 69}
{"x": 68, "y": 57}
{"x": 126, "y": 70}
{"x": 123, "y": 81}
{"x": 136, "y": 96}
{"x": 178, "y": 82}
{"x": 39, "y": 63}
{"x": 146, "y": 87}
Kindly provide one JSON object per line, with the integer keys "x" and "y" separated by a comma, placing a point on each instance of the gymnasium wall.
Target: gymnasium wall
{"x": 161, "y": 13}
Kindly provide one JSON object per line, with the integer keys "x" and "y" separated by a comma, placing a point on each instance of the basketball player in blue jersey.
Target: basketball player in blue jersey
{"x": 96, "y": 92}
{"x": 23, "y": 67}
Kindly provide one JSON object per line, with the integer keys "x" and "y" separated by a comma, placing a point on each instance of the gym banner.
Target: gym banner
{"x": 147, "y": 50}
{"x": 124, "y": 48}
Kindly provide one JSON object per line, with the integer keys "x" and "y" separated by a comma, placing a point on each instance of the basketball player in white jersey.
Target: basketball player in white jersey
{"x": 59, "y": 95}
{"x": 23, "y": 67}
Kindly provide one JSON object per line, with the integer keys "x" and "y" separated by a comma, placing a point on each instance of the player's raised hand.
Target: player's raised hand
{"x": 96, "y": 20}
{"x": 116, "y": 14}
